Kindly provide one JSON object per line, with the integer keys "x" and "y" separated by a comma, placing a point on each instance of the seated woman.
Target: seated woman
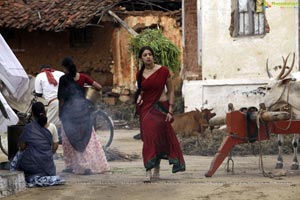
{"x": 36, "y": 146}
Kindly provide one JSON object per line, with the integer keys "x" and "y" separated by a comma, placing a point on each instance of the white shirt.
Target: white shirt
{"x": 53, "y": 130}
{"x": 42, "y": 85}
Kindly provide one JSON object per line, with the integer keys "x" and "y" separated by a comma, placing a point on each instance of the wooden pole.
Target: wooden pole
{"x": 130, "y": 30}
{"x": 265, "y": 116}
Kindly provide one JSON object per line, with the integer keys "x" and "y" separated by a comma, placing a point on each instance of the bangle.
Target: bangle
{"x": 171, "y": 104}
{"x": 170, "y": 113}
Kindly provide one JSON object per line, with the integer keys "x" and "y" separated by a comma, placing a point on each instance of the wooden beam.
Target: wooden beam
{"x": 129, "y": 29}
{"x": 265, "y": 116}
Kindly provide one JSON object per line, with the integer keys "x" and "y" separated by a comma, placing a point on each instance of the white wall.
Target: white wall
{"x": 238, "y": 64}
{"x": 217, "y": 94}
{"x": 225, "y": 57}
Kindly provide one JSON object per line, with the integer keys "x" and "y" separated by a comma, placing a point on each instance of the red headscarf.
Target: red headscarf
{"x": 50, "y": 76}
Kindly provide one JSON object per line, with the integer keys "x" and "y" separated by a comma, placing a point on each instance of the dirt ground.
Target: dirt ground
{"x": 125, "y": 180}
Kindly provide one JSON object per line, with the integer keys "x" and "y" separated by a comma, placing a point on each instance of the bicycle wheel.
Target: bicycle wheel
{"x": 104, "y": 127}
{"x": 4, "y": 143}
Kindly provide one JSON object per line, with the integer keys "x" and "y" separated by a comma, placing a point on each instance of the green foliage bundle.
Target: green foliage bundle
{"x": 166, "y": 53}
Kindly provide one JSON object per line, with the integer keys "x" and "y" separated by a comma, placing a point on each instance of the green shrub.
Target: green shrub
{"x": 166, "y": 53}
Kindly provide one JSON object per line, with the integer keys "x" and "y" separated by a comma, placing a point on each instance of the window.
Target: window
{"x": 248, "y": 18}
{"x": 80, "y": 37}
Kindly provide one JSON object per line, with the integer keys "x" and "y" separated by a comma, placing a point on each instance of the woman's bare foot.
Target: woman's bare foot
{"x": 148, "y": 176}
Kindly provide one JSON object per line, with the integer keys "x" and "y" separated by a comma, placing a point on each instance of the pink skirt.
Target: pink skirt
{"x": 92, "y": 158}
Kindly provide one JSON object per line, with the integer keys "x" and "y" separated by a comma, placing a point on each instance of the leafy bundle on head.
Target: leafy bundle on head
{"x": 166, "y": 53}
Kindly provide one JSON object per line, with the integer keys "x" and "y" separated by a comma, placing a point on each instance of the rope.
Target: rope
{"x": 261, "y": 163}
{"x": 289, "y": 125}
{"x": 289, "y": 107}
{"x": 227, "y": 165}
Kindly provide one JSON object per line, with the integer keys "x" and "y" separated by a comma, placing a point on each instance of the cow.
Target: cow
{"x": 283, "y": 93}
{"x": 192, "y": 123}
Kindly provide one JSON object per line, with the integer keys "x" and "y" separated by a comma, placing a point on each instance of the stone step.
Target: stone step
{"x": 11, "y": 182}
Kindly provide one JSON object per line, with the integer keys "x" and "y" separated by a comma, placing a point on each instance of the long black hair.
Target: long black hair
{"x": 39, "y": 113}
{"x": 68, "y": 63}
{"x": 140, "y": 75}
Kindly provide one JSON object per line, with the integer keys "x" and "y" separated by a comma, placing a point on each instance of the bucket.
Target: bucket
{"x": 13, "y": 134}
{"x": 92, "y": 94}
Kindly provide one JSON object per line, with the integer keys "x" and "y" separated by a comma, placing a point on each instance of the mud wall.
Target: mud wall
{"x": 36, "y": 48}
{"x": 125, "y": 65}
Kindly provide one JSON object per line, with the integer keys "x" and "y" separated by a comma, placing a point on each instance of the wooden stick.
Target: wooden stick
{"x": 130, "y": 30}
{"x": 265, "y": 116}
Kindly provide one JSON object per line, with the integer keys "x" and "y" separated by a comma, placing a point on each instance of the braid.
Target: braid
{"x": 140, "y": 76}
{"x": 39, "y": 113}
{"x": 42, "y": 119}
{"x": 139, "y": 83}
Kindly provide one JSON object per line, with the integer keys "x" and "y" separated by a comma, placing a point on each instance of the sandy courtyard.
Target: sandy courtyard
{"x": 125, "y": 180}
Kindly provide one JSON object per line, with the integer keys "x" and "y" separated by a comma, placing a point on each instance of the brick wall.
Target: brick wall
{"x": 191, "y": 69}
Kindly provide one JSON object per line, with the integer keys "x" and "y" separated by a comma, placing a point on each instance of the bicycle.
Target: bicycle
{"x": 104, "y": 126}
{"x": 103, "y": 123}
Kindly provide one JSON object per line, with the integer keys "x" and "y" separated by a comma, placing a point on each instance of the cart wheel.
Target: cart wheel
{"x": 4, "y": 143}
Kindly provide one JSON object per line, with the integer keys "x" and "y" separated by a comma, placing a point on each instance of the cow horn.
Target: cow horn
{"x": 283, "y": 68}
{"x": 268, "y": 72}
{"x": 290, "y": 69}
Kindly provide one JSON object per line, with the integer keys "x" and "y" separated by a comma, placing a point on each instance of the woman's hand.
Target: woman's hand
{"x": 169, "y": 117}
{"x": 139, "y": 100}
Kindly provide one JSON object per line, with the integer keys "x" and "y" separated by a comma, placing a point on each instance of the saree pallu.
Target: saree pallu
{"x": 160, "y": 141}
{"x": 37, "y": 158}
{"x": 35, "y": 180}
{"x": 77, "y": 122}
{"x": 93, "y": 157}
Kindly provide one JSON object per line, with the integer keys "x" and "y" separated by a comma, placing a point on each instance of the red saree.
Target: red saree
{"x": 158, "y": 136}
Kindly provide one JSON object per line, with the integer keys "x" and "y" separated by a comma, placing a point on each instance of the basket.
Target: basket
{"x": 92, "y": 94}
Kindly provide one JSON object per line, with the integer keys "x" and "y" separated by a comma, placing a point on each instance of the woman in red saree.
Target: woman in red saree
{"x": 155, "y": 108}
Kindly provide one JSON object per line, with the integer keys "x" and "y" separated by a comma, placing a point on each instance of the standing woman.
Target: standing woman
{"x": 83, "y": 153}
{"x": 155, "y": 108}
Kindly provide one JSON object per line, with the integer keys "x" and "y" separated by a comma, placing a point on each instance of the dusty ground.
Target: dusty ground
{"x": 125, "y": 181}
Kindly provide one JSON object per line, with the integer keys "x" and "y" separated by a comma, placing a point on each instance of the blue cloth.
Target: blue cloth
{"x": 35, "y": 181}
{"x": 75, "y": 113}
{"x": 37, "y": 158}
{"x": 43, "y": 181}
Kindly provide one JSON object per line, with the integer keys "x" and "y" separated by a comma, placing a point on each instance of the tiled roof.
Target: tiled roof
{"x": 51, "y": 15}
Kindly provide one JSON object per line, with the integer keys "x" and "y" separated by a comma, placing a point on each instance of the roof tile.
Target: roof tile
{"x": 56, "y": 15}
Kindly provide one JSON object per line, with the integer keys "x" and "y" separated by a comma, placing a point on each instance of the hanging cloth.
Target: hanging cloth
{"x": 243, "y": 7}
{"x": 259, "y": 6}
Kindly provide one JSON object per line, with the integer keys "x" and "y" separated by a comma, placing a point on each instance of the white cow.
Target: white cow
{"x": 283, "y": 93}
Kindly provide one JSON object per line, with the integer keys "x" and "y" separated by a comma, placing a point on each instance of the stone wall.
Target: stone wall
{"x": 11, "y": 183}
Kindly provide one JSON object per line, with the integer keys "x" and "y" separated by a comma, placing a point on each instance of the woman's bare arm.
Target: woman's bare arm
{"x": 97, "y": 86}
{"x": 54, "y": 147}
{"x": 22, "y": 145}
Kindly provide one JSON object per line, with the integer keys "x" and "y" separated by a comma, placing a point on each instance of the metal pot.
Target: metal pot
{"x": 92, "y": 94}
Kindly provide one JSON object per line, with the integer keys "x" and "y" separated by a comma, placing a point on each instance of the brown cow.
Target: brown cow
{"x": 192, "y": 123}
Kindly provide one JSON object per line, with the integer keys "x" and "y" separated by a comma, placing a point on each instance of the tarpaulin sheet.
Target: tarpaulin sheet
{"x": 12, "y": 74}
{"x": 12, "y": 120}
